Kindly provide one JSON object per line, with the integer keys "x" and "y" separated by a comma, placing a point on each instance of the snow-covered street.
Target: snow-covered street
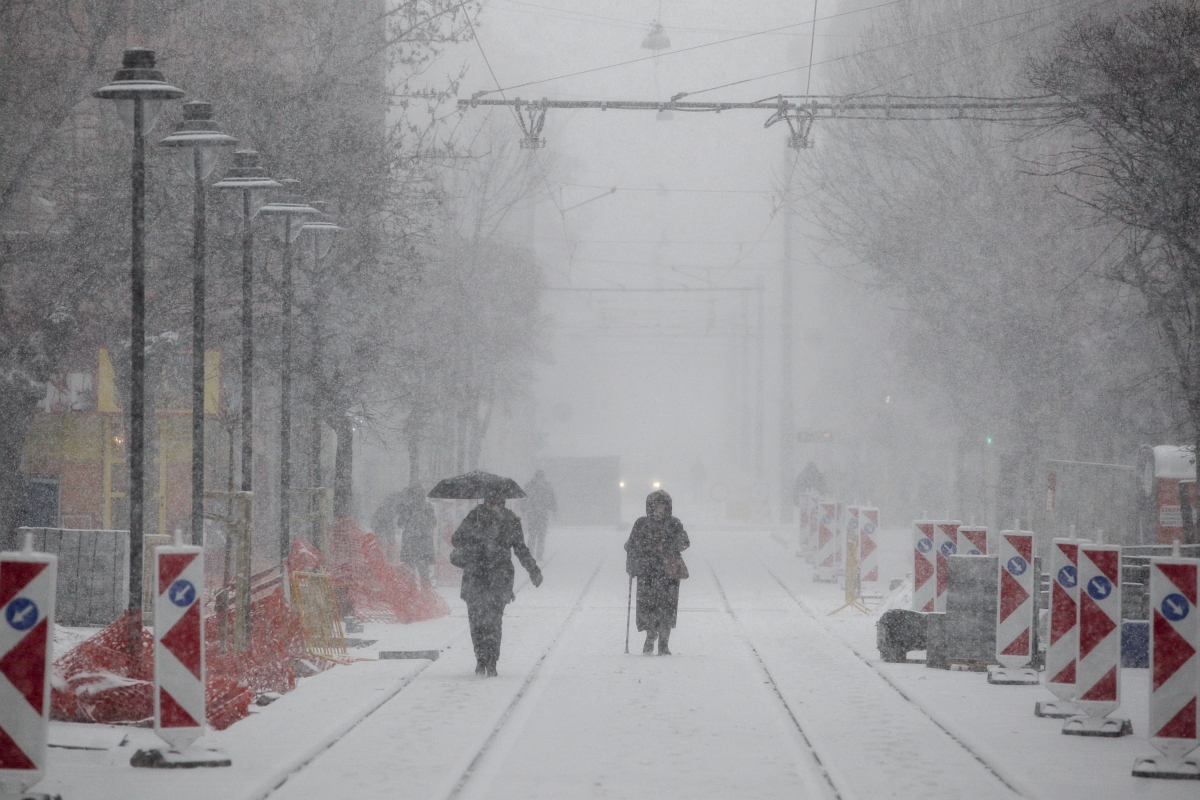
{"x": 765, "y": 696}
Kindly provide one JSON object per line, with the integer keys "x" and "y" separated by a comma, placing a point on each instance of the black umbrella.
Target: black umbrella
{"x": 475, "y": 485}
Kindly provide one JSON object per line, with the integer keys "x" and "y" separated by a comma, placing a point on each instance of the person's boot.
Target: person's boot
{"x": 648, "y": 647}
{"x": 491, "y": 670}
{"x": 663, "y": 636}
{"x": 480, "y": 669}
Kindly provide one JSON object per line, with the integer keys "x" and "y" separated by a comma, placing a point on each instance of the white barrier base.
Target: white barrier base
{"x": 1161, "y": 767}
{"x": 1010, "y": 676}
{"x": 188, "y": 758}
{"x": 824, "y": 575}
{"x": 1110, "y": 727}
{"x": 1056, "y": 709}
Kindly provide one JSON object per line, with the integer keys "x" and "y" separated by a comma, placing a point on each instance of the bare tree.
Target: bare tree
{"x": 1131, "y": 90}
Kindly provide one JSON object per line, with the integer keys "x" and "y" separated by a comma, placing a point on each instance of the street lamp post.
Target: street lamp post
{"x": 251, "y": 181}
{"x": 290, "y": 212}
{"x": 139, "y": 90}
{"x": 197, "y": 141}
{"x": 324, "y": 234}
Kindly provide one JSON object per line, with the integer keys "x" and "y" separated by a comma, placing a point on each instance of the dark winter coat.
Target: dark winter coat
{"x": 489, "y": 539}
{"x": 419, "y": 523}
{"x": 650, "y": 542}
{"x": 541, "y": 503}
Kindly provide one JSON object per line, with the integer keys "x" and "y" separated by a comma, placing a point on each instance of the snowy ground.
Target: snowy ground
{"x": 766, "y": 696}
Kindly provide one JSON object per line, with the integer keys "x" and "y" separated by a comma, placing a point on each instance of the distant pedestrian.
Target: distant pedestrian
{"x": 653, "y": 556}
{"x": 538, "y": 508}
{"x": 483, "y": 546}
{"x": 418, "y": 522}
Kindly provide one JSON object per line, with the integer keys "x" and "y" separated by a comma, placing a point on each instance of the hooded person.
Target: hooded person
{"x": 485, "y": 543}
{"x": 654, "y": 544}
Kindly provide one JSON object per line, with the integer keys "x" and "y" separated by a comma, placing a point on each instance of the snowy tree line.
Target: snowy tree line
{"x": 420, "y": 321}
{"x": 1047, "y": 271}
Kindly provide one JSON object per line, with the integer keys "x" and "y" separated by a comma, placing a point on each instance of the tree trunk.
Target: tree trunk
{"x": 343, "y": 469}
{"x": 19, "y": 409}
{"x": 414, "y": 459}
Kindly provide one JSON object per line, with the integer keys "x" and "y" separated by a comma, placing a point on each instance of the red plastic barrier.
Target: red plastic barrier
{"x": 97, "y": 681}
{"x": 378, "y": 591}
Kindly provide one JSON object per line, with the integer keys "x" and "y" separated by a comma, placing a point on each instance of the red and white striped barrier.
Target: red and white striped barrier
{"x": 1174, "y": 668}
{"x": 179, "y": 712}
{"x": 825, "y": 569}
{"x": 1063, "y": 646}
{"x": 1014, "y": 610}
{"x": 972, "y": 540}
{"x": 27, "y": 586}
{"x": 924, "y": 566}
{"x": 179, "y": 703}
{"x": 945, "y": 544}
{"x": 1098, "y": 667}
{"x": 868, "y": 547}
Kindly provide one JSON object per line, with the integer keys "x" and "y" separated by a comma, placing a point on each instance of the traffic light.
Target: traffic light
{"x": 814, "y": 437}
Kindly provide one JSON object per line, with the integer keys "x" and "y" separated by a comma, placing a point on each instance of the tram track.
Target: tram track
{"x": 464, "y": 780}
{"x": 991, "y": 768}
{"x": 280, "y": 777}
{"x": 825, "y": 771}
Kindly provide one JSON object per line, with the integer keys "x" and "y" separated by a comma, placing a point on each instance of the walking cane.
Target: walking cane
{"x": 628, "y": 609}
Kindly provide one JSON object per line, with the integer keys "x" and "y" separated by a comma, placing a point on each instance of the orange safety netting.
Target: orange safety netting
{"x": 377, "y": 591}
{"x": 98, "y": 681}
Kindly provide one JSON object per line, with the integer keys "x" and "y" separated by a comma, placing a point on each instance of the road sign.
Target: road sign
{"x": 1063, "y": 645}
{"x": 1098, "y": 666}
{"x": 179, "y": 709}
{"x": 1174, "y": 662}
{"x": 27, "y": 586}
{"x": 945, "y": 544}
{"x": 924, "y": 567}
{"x": 972, "y": 540}
{"x": 1014, "y": 612}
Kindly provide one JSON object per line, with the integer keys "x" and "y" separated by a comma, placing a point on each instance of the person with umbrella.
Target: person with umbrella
{"x": 484, "y": 545}
{"x": 653, "y": 557}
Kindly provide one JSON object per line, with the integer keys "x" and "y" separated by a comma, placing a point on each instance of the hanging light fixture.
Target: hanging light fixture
{"x": 656, "y": 39}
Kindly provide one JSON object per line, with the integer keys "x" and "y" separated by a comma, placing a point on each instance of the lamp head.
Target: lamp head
{"x": 138, "y": 80}
{"x": 197, "y": 130}
{"x": 247, "y": 176}
{"x": 656, "y": 39}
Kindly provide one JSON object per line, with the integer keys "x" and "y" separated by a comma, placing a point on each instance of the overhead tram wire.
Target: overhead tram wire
{"x": 628, "y": 24}
{"x": 677, "y": 51}
{"x": 891, "y": 45}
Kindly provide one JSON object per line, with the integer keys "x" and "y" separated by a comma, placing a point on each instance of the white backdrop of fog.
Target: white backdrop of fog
{"x": 671, "y": 380}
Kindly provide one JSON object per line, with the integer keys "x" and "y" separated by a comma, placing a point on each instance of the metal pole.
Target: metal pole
{"x": 198, "y": 372}
{"x": 137, "y": 368}
{"x": 759, "y": 391}
{"x": 314, "y": 444}
{"x": 628, "y": 612}
{"x": 247, "y": 345}
{"x": 285, "y": 400}
{"x": 787, "y": 435}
